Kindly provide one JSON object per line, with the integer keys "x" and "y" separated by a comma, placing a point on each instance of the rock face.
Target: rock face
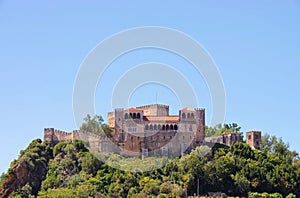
{"x": 18, "y": 177}
{"x": 30, "y": 168}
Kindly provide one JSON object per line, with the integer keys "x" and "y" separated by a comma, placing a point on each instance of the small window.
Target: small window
{"x": 249, "y": 137}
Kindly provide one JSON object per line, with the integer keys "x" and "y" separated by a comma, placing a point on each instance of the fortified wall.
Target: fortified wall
{"x": 93, "y": 141}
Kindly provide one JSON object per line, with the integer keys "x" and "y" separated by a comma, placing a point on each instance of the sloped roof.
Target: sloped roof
{"x": 133, "y": 109}
{"x": 188, "y": 109}
{"x": 161, "y": 118}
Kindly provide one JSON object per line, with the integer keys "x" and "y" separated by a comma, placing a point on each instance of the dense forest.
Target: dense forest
{"x": 69, "y": 169}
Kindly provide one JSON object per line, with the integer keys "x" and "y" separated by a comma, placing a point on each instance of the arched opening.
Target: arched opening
{"x": 126, "y": 115}
{"x": 155, "y": 127}
{"x": 175, "y": 127}
{"x": 159, "y": 127}
{"x": 151, "y": 127}
{"x": 146, "y": 127}
{"x": 188, "y": 115}
{"x": 171, "y": 127}
{"x": 183, "y": 116}
{"x": 192, "y": 115}
{"x": 163, "y": 127}
{"x": 191, "y": 128}
{"x": 167, "y": 127}
{"x": 134, "y": 116}
{"x": 138, "y": 116}
{"x": 130, "y": 115}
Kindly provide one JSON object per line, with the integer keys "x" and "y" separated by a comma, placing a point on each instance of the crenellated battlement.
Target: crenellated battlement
{"x": 55, "y": 135}
{"x": 151, "y": 105}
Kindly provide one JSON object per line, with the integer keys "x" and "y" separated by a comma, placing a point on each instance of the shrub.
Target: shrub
{"x": 291, "y": 195}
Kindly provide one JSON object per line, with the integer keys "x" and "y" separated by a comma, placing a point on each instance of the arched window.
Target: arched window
{"x": 159, "y": 127}
{"x": 155, "y": 127}
{"x": 188, "y": 115}
{"x": 183, "y": 115}
{"x": 151, "y": 127}
{"x": 167, "y": 127}
{"x": 138, "y": 116}
{"x": 191, "y": 127}
{"x": 126, "y": 115}
{"x": 183, "y": 137}
{"x": 134, "y": 116}
{"x": 146, "y": 127}
{"x": 163, "y": 127}
{"x": 192, "y": 115}
{"x": 175, "y": 127}
{"x": 171, "y": 127}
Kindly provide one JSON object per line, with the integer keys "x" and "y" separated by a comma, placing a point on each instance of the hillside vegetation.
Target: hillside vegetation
{"x": 70, "y": 170}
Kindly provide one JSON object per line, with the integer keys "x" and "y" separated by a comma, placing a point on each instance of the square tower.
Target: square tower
{"x": 253, "y": 139}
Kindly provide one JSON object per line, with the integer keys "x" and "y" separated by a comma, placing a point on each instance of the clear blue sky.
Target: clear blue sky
{"x": 42, "y": 44}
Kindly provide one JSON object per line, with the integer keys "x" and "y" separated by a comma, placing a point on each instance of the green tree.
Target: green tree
{"x": 95, "y": 125}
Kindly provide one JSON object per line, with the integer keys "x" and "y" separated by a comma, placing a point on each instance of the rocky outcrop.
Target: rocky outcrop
{"x": 30, "y": 168}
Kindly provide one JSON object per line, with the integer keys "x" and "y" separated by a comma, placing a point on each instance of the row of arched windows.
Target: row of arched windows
{"x": 132, "y": 115}
{"x": 164, "y": 127}
{"x": 188, "y": 115}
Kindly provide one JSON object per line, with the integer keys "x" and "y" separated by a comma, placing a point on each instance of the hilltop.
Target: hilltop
{"x": 69, "y": 169}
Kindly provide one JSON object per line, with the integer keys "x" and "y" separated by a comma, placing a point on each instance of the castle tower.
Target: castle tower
{"x": 200, "y": 134}
{"x": 253, "y": 139}
{"x": 48, "y": 134}
{"x": 119, "y": 132}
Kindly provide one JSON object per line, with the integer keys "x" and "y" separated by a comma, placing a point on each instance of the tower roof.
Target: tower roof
{"x": 187, "y": 109}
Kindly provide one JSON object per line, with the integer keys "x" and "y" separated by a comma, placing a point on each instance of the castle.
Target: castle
{"x": 151, "y": 129}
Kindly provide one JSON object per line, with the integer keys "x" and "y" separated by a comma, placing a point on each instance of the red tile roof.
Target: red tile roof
{"x": 162, "y": 118}
{"x": 133, "y": 109}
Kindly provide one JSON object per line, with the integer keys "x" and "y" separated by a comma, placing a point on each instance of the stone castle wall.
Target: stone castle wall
{"x": 94, "y": 142}
{"x": 155, "y": 110}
